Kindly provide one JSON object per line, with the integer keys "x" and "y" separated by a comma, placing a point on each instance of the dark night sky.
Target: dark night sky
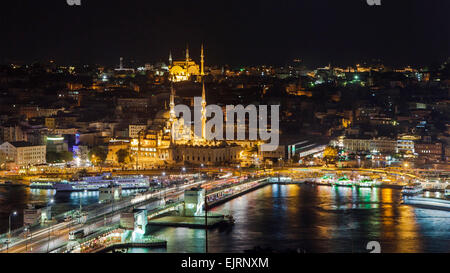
{"x": 234, "y": 32}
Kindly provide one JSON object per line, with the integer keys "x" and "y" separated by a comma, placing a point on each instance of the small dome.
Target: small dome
{"x": 162, "y": 115}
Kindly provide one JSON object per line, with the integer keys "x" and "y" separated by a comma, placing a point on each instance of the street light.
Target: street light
{"x": 14, "y": 213}
{"x": 27, "y": 230}
{"x": 50, "y": 230}
{"x": 200, "y": 172}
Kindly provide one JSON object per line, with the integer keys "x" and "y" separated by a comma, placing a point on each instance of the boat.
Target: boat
{"x": 428, "y": 203}
{"x": 43, "y": 185}
{"x": 343, "y": 182}
{"x": 94, "y": 183}
{"x": 325, "y": 180}
{"x": 367, "y": 183}
{"x": 9, "y": 184}
{"x": 412, "y": 190}
{"x": 447, "y": 192}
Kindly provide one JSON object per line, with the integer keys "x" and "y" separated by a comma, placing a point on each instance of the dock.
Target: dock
{"x": 189, "y": 222}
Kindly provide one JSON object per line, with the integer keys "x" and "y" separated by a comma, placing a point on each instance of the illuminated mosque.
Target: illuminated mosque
{"x": 157, "y": 145}
{"x": 185, "y": 69}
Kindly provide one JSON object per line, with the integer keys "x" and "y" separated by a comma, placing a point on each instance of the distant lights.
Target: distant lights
{"x": 55, "y": 138}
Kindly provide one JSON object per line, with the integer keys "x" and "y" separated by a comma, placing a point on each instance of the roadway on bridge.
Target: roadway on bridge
{"x": 52, "y": 237}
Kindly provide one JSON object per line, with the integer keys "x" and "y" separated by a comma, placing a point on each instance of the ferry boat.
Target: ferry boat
{"x": 344, "y": 182}
{"x": 412, "y": 190}
{"x": 428, "y": 203}
{"x": 325, "y": 180}
{"x": 93, "y": 183}
{"x": 43, "y": 185}
{"x": 367, "y": 183}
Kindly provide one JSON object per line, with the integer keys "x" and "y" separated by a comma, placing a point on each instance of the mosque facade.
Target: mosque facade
{"x": 184, "y": 70}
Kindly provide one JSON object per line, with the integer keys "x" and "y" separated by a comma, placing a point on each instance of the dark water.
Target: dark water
{"x": 17, "y": 198}
{"x": 317, "y": 219}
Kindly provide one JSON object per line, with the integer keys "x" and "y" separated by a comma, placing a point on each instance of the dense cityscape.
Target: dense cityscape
{"x": 99, "y": 158}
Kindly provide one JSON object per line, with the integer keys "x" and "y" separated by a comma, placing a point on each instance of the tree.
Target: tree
{"x": 97, "y": 155}
{"x": 51, "y": 157}
{"x": 66, "y": 156}
{"x": 55, "y": 157}
{"x": 329, "y": 155}
{"x": 123, "y": 156}
{"x": 295, "y": 158}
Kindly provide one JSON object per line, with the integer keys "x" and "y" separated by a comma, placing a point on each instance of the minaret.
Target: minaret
{"x": 172, "y": 103}
{"x": 121, "y": 63}
{"x": 187, "y": 60}
{"x": 170, "y": 58}
{"x": 203, "y": 111}
{"x": 187, "y": 53}
{"x": 202, "y": 62}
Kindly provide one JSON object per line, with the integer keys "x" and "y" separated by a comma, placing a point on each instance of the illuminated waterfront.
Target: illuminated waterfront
{"x": 318, "y": 219}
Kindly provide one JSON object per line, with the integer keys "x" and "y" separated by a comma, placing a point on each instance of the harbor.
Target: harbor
{"x": 183, "y": 206}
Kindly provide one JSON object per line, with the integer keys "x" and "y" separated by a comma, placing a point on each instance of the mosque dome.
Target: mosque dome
{"x": 162, "y": 115}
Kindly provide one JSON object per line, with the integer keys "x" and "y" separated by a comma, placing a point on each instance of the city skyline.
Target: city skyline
{"x": 252, "y": 128}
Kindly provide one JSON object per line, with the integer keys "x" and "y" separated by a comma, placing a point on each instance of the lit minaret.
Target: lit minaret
{"x": 172, "y": 103}
{"x": 187, "y": 60}
{"x": 203, "y": 111}
{"x": 121, "y": 63}
{"x": 170, "y": 57}
{"x": 202, "y": 62}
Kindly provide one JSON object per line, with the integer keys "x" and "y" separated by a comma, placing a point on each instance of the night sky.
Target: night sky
{"x": 234, "y": 32}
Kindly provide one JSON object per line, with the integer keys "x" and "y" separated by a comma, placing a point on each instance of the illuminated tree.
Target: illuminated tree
{"x": 330, "y": 155}
{"x": 98, "y": 155}
{"x": 123, "y": 156}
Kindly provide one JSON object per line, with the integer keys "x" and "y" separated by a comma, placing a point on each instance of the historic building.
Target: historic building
{"x": 185, "y": 69}
{"x": 23, "y": 153}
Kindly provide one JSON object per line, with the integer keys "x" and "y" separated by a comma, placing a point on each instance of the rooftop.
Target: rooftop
{"x": 19, "y": 144}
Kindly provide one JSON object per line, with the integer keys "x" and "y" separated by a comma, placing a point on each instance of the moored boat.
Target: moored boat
{"x": 343, "y": 182}
{"x": 367, "y": 183}
{"x": 412, "y": 189}
{"x": 324, "y": 180}
{"x": 43, "y": 185}
{"x": 94, "y": 183}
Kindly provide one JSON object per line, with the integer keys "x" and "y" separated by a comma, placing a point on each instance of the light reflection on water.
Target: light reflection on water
{"x": 317, "y": 219}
